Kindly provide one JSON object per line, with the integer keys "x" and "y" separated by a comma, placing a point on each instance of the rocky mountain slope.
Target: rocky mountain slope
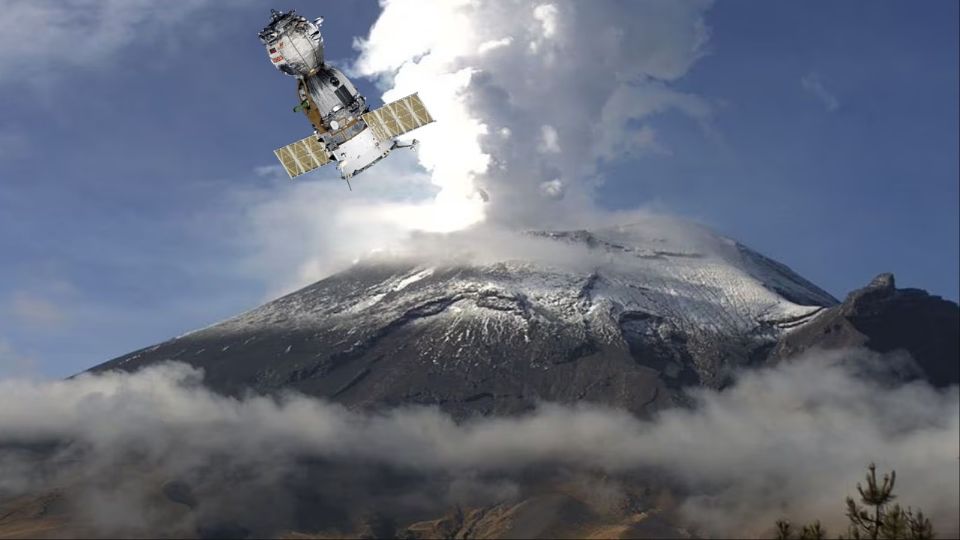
{"x": 885, "y": 319}
{"x": 623, "y": 316}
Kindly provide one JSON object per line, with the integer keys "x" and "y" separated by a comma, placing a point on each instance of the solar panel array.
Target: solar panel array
{"x": 398, "y": 117}
{"x": 302, "y": 156}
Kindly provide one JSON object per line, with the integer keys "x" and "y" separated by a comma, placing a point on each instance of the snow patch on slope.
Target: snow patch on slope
{"x": 412, "y": 279}
{"x": 659, "y": 267}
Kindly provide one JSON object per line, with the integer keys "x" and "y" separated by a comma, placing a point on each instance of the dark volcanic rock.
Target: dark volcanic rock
{"x": 459, "y": 344}
{"x": 883, "y": 318}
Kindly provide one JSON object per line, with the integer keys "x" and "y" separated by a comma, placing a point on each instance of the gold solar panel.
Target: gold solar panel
{"x": 302, "y": 156}
{"x": 398, "y": 117}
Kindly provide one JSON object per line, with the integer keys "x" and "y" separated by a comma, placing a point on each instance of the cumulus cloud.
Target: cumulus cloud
{"x": 788, "y": 441}
{"x": 812, "y": 83}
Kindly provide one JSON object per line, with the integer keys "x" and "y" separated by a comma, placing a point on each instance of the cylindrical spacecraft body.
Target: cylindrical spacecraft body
{"x": 294, "y": 44}
{"x": 338, "y": 103}
{"x": 330, "y": 90}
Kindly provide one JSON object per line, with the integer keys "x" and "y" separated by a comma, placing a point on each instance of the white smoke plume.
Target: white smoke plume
{"x": 530, "y": 101}
{"x": 787, "y": 441}
{"x": 530, "y": 97}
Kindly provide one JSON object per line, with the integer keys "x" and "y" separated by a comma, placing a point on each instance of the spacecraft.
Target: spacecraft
{"x": 345, "y": 130}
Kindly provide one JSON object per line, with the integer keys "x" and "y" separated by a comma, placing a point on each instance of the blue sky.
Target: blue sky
{"x": 129, "y": 164}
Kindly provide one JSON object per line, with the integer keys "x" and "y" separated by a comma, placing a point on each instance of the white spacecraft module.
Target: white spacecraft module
{"x": 345, "y": 129}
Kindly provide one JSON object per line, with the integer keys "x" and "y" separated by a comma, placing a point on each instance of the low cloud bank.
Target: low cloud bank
{"x": 787, "y": 441}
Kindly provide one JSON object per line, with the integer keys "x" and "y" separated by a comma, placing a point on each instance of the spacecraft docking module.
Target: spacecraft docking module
{"x": 345, "y": 129}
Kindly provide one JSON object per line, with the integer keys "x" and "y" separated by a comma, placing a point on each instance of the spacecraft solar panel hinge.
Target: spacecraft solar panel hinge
{"x": 398, "y": 117}
{"x": 302, "y": 156}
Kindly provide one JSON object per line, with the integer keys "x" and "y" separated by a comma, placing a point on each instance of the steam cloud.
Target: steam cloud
{"x": 787, "y": 441}
{"x": 530, "y": 98}
{"x": 531, "y": 101}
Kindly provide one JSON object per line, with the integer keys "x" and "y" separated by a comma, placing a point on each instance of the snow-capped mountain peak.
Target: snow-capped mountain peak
{"x": 485, "y": 321}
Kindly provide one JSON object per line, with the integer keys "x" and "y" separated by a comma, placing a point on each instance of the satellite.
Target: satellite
{"x": 345, "y": 130}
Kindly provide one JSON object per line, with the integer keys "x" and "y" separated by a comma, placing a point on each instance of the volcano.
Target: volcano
{"x": 623, "y": 316}
{"x": 492, "y": 331}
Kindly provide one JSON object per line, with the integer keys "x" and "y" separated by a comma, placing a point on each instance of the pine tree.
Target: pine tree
{"x": 784, "y": 530}
{"x": 899, "y": 523}
{"x": 873, "y": 519}
{"x": 866, "y": 523}
{"x": 808, "y": 532}
{"x": 813, "y": 532}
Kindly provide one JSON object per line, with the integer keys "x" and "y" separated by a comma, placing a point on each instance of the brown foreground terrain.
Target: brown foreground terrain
{"x": 565, "y": 512}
